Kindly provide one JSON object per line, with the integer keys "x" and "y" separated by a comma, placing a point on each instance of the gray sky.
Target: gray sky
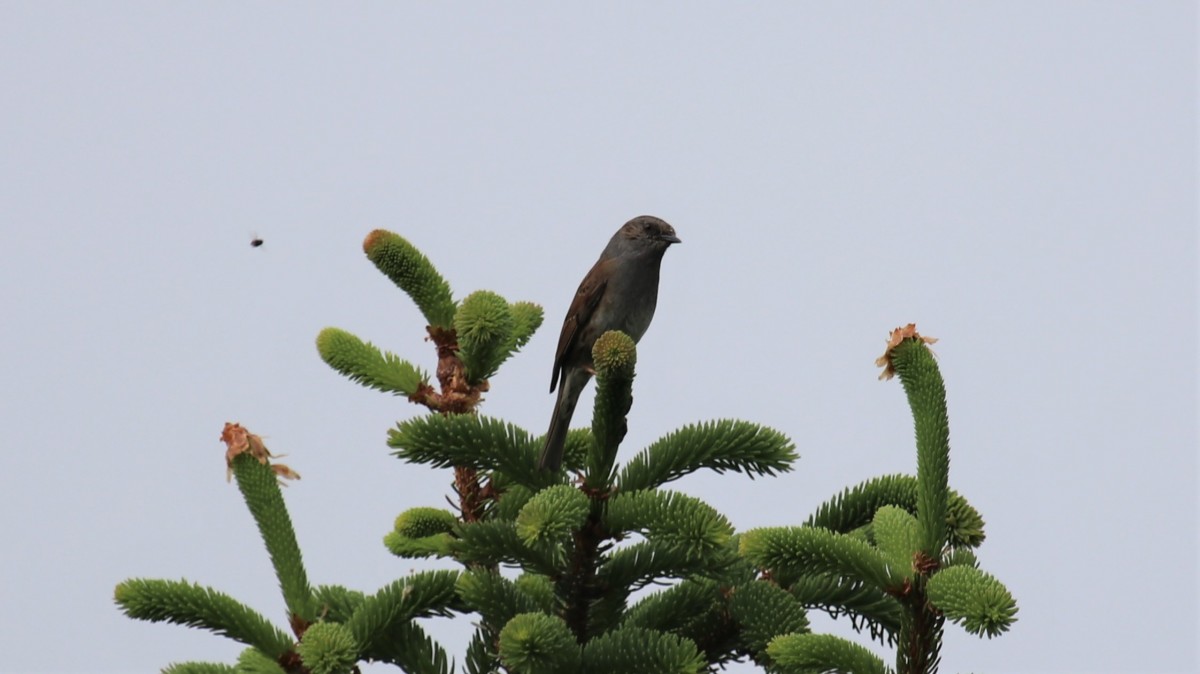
{"x": 1018, "y": 178}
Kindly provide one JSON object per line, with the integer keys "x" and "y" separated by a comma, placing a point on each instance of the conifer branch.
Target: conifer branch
{"x": 413, "y": 273}
{"x": 184, "y": 603}
{"x": 615, "y": 358}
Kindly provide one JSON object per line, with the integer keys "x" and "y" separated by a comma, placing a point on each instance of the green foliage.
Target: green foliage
{"x": 538, "y": 644}
{"x": 260, "y": 487}
{"x": 817, "y": 653}
{"x": 185, "y": 603}
{"x": 727, "y": 617}
{"x": 973, "y": 599}
{"x": 253, "y": 661}
{"x": 887, "y": 551}
{"x": 615, "y": 356}
{"x": 327, "y": 648}
{"x": 336, "y": 603}
{"x": 764, "y": 611}
{"x": 918, "y": 371}
{"x": 511, "y": 500}
{"x": 208, "y": 668}
{"x": 365, "y": 364}
{"x": 856, "y": 506}
{"x": 538, "y": 589}
{"x": 481, "y": 656}
{"x": 422, "y": 522}
{"x": 960, "y": 557}
{"x": 634, "y": 650}
{"x": 527, "y": 318}
{"x": 468, "y": 440}
{"x": 486, "y": 331}
{"x": 964, "y": 525}
{"x": 577, "y": 448}
{"x": 413, "y": 273}
{"x": 898, "y": 536}
{"x": 724, "y": 445}
{"x": 548, "y": 520}
{"x": 795, "y": 551}
{"x": 676, "y": 520}
{"x": 695, "y": 609}
{"x": 650, "y": 562}
{"x": 495, "y": 597}
{"x": 351, "y": 625}
{"x": 420, "y": 595}
{"x": 410, "y": 649}
{"x": 867, "y": 606}
{"x": 493, "y": 542}
{"x": 438, "y": 545}
{"x": 490, "y": 331}
{"x": 472, "y": 339}
{"x": 894, "y": 554}
{"x": 422, "y": 532}
{"x": 570, "y": 539}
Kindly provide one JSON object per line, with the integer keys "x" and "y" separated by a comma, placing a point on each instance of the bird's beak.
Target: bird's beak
{"x": 669, "y": 238}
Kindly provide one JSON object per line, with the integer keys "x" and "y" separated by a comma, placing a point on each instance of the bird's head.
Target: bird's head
{"x": 646, "y": 232}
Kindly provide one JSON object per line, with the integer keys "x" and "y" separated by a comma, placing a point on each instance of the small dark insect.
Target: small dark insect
{"x": 256, "y": 242}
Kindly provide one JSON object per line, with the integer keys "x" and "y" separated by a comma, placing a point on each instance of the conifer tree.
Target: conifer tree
{"x": 895, "y": 553}
{"x": 554, "y": 568}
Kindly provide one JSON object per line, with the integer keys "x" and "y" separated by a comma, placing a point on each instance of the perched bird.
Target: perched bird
{"x": 619, "y": 293}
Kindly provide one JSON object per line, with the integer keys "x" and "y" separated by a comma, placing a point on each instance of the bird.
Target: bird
{"x": 619, "y": 293}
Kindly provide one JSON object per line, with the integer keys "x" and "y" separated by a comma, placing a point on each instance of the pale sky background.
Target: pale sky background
{"x": 1018, "y": 178}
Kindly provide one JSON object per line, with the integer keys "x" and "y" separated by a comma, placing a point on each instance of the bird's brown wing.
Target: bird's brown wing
{"x": 586, "y": 298}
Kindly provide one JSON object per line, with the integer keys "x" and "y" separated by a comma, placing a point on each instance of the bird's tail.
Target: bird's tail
{"x": 560, "y": 422}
